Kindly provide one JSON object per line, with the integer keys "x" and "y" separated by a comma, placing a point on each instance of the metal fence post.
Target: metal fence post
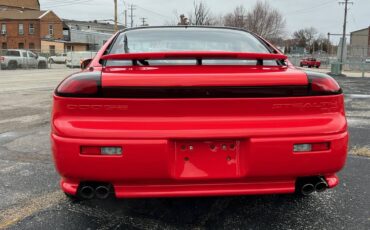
{"x": 363, "y": 68}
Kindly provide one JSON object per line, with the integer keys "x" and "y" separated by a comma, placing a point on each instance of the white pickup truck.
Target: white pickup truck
{"x": 14, "y": 59}
{"x": 58, "y": 59}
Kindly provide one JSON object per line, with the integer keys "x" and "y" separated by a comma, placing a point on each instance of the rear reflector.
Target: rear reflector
{"x": 95, "y": 150}
{"x": 315, "y": 147}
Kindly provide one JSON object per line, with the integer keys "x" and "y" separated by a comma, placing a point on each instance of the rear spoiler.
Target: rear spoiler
{"x": 198, "y": 55}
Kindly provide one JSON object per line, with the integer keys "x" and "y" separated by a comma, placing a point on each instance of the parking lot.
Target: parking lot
{"x": 30, "y": 197}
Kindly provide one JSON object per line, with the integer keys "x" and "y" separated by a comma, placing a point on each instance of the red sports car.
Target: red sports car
{"x": 196, "y": 111}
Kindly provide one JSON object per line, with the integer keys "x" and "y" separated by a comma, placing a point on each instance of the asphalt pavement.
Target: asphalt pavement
{"x": 30, "y": 197}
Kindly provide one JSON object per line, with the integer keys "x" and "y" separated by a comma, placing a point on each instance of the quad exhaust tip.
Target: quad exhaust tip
{"x": 308, "y": 185}
{"x": 321, "y": 185}
{"x": 102, "y": 192}
{"x": 88, "y": 191}
{"x": 307, "y": 189}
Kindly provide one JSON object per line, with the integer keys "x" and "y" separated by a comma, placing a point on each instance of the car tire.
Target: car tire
{"x": 12, "y": 65}
{"x": 301, "y": 65}
{"x": 42, "y": 65}
{"x": 317, "y": 67}
{"x": 309, "y": 66}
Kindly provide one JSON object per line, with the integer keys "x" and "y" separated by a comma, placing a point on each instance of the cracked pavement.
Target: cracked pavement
{"x": 30, "y": 197}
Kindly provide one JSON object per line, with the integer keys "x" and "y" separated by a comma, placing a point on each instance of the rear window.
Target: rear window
{"x": 190, "y": 39}
{"x": 13, "y": 53}
{"x": 187, "y": 39}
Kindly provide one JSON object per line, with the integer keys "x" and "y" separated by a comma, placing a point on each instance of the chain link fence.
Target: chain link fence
{"x": 358, "y": 59}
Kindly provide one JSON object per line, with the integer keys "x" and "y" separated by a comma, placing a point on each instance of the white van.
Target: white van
{"x": 74, "y": 59}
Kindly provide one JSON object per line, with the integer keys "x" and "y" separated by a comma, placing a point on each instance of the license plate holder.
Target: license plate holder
{"x": 213, "y": 159}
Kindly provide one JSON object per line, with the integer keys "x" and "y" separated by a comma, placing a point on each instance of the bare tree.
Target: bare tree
{"x": 201, "y": 14}
{"x": 265, "y": 21}
{"x": 305, "y": 37}
{"x": 236, "y": 18}
{"x": 183, "y": 20}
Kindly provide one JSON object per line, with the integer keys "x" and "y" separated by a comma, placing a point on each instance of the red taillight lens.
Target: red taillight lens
{"x": 320, "y": 146}
{"x": 2, "y": 59}
{"x": 90, "y": 150}
{"x": 322, "y": 84}
{"x": 101, "y": 150}
{"x": 86, "y": 84}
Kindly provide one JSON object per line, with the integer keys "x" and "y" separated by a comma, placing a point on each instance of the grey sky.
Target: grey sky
{"x": 325, "y": 15}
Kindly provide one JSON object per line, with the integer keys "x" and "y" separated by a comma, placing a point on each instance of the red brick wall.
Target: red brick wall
{"x": 12, "y": 38}
{"x": 51, "y": 19}
{"x": 29, "y": 4}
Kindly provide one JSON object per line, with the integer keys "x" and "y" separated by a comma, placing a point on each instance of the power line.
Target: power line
{"x": 65, "y": 3}
{"x": 307, "y": 10}
{"x": 153, "y": 12}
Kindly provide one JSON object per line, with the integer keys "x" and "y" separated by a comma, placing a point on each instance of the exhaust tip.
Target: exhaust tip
{"x": 87, "y": 192}
{"x": 102, "y": 192}
{"x": 321, "y": 186}
{"x": 307, "y": 189}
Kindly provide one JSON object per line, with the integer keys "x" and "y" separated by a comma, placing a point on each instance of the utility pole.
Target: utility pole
{"x": 132, "y": 8}
{"x": 125, "y": 18}
{"x": 115, "y": 16}
{"x": 125, "y": 13}
{"x": 344, "y": 43}
{"x": 329, "y": 45}
{"x": 143, "y": 21}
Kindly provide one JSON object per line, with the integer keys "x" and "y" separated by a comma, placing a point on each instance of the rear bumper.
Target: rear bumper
{"x": 148, "y": 168}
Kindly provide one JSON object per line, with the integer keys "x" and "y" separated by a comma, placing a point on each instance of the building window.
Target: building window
{"x": 31, "y": 28}
{"x": 51, "y": 30}
{"x": 4, "y": 46}
{"x": 32, "y": 46}
{"x": 3, "y": 29}
{"x": 20, "y": 29}
{"x": 52, "y": 50}
{"x": 20, "y": 45}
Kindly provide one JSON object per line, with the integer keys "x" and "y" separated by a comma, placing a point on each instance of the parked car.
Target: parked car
{"x": 17, "y": 58}
{"x": 196, "y": 111}
{"x": 58, "y": 59}
{"x": 310, "y": 62}
{"x": 74, "y": 59}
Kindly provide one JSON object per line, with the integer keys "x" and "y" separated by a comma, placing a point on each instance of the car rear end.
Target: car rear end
{"x": 157, "y": 128}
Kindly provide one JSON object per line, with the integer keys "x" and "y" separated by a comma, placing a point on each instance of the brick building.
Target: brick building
{"x": 23, "y": 25}
{"x": 20, "y": 4}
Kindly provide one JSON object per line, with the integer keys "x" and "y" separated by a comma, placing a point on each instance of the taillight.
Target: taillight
{"x": 101, "y": 150}
{"x": 322, "y": 84}
{"x": 2, "y": 59}
{"x": 312, "y": 147}
{"x": 85, "y": 84}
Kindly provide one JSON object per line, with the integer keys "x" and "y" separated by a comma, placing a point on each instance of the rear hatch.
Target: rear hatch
{"x": 181, "y": 102}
